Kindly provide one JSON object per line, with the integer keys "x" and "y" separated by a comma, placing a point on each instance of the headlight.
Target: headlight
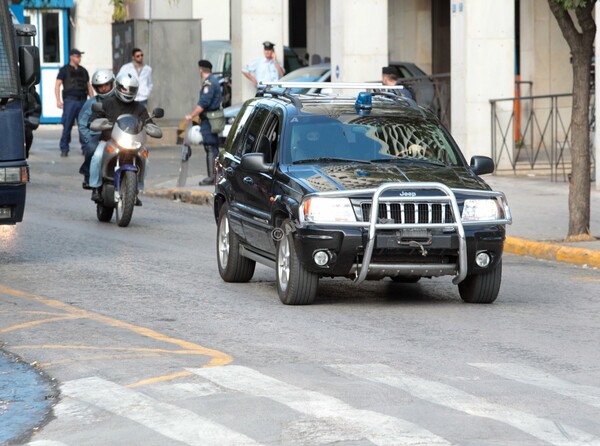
{"x": 324, "y": 210}
{"x": 13, "y": 175}
{"x": 480, "y": 210}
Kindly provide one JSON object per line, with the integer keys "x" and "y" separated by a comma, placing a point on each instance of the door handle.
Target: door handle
{"x": 248, "y": 180}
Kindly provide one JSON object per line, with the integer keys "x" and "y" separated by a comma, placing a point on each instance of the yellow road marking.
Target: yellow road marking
{"x": 91, "y": 347}
{"x": 158, "y": 379}
{"x": 217, "y": 358}
{"x": 588, "y": 279}
{"x": 97, "y": 358}
{"x": 38, "y": 322}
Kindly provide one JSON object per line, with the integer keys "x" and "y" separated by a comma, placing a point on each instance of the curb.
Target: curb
{"x": 550, "y": 251}
{"x": 512, "y": 245}
{"x": 183, "y": 195}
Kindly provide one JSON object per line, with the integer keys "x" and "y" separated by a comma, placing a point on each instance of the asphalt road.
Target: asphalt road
{"x": 149, "y": 346}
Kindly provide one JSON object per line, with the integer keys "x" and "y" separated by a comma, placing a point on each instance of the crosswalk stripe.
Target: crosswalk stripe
{"x": 169, "y": 420}
{"x": 376, "y": 427}
{"x": 538, "y": 378}
{"x": 45, "y": 443}
{"x": 444, "y": 395}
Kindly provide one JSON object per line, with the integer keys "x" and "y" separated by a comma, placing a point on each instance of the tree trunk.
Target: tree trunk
{"x": 581, "y": 41}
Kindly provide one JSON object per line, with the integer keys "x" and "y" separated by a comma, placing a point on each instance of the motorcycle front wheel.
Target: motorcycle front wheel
{"x": 127, "y": 192}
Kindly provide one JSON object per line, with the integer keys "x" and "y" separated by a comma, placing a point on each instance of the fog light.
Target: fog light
{"x": 483, "y": 259}
{"x": 5, "y": 212}
{"x": 321, "y": 258}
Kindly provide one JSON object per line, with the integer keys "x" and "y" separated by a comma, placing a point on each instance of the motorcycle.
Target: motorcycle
{"x": 123, "y": 163}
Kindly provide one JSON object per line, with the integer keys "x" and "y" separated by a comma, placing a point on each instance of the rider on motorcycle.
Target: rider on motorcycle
{"x": 103, "y": 82}
{"x": 122, "y": 102}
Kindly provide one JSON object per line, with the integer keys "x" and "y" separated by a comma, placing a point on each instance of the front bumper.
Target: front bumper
{"x": 374, "y": 249}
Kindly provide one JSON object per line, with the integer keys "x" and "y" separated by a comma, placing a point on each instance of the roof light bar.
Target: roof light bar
{"x": 339, "y": 85}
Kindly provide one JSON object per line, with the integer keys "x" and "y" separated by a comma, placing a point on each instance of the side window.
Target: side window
{"x": 251, "y": 136}
{"x": 236, "y": 132}
{"x": 227, "y": 64}
{"x": 269, "y": 140}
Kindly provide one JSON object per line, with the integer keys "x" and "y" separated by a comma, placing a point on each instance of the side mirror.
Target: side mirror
{"x": 29, "y": 65}
{"x": 158, "y": 112}
{"x": 482, "y": 165}
{"x": 255, "y": 162}
{"x": 97, "y": 107}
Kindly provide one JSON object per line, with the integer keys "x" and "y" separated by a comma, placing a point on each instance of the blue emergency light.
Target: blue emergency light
{"x": 364, "y": 103}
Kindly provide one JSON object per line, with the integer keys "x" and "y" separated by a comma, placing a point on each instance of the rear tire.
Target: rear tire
{"x": 482, "y": 288}
{"x": 295, "y": 285}
{"x": 127, "y": 192}
{"x": 104, "y": 213}
{"x": 233, "y": 267}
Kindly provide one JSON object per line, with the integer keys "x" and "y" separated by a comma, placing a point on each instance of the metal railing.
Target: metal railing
{"x": 432, "y": 92}
{"x": 533, "y": 134}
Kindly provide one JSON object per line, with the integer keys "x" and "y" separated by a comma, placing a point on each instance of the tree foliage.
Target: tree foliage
{"x": 576, "y": 21}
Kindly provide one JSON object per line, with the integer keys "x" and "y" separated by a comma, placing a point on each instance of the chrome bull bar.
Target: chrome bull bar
{"x": 362, "y": 269}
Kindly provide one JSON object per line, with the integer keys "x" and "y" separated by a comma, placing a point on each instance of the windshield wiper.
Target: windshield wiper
{"x": 329, "y": 159}
{"x": 409, "y": 160}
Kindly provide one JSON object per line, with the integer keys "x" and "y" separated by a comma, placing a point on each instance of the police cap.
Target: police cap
{"x": 205, "y": 64}
{"x": 268, "y": 45}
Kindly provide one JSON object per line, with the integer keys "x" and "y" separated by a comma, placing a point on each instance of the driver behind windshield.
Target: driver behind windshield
{"x": 122, "y": 102}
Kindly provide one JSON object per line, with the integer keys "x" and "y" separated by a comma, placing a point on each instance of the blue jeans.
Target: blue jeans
{"x": 96, "y": 167}
{"x": 71, "y": 109}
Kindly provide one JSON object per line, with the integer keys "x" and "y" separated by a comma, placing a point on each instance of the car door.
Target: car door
{"x": 243, "y": 194}
{"x": 259, "y": 187}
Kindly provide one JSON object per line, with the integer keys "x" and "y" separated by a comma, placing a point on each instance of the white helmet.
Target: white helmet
{"x": 193, "y": 135}
{"x": 126, "y": 87}
{"x": 103, "y": 77}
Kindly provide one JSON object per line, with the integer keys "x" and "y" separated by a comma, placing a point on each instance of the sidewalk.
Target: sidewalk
{"x": 539, "y": 209}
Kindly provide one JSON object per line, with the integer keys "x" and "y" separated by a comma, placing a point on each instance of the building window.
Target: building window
{"x": 51, "y": 37}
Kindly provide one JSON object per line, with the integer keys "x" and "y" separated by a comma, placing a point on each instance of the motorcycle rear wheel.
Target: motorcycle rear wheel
{"x": 127, "y": 192}
{"x": 104, "y": 213}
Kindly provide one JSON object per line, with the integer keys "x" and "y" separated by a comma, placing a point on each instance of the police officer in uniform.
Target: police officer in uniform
{"x": 75, "y": 83}
{"x": 210, "y": 100}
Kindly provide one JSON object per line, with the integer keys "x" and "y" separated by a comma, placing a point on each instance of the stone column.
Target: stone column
{"x": 252, "y": 23}
{"x": 482, "y": 68}
{"x": 359, "y": 40}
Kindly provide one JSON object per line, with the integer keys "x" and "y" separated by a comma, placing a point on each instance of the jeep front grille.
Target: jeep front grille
{"x": 410, "y": 213}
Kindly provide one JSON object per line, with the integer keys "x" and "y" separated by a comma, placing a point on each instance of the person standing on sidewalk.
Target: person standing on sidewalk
{"x": 75, "y": 82}
{"x": 266, "y": 68}
{"x": 142, "y": 72}
{"x": 210, "y": 100}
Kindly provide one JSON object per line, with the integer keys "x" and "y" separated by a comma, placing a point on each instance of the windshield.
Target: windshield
{"x": 9, "y": 86}
{"x": 377, "y": 139}
{"x": 129, "y": 124}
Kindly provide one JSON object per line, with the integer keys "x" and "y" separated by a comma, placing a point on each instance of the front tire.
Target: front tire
{"x": 233, "y": 267}
{"x": 482, "y": 288}
{"x": 127, "y": 192}
{"x": 295, "y": 285}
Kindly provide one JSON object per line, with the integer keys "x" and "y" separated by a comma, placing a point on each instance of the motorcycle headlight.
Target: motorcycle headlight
{"x": 480, "y": 210}
{"x": 328, "y": 210}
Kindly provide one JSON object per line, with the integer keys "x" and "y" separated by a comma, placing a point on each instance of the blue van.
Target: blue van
{"x": 19, "y": 72}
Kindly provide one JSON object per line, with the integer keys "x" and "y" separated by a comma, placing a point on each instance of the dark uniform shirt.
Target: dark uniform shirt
{"x": 75, "y": 81}
{"x": 210, "y": 100}
{"x": 112, "y": 108}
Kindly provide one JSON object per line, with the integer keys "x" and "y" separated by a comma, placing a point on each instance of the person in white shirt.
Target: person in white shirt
{"x": 142, "y": 72}
{"x": 266, "y": 68}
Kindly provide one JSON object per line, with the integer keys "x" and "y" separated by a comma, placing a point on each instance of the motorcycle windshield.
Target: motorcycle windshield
{"x": 129, "y": 124}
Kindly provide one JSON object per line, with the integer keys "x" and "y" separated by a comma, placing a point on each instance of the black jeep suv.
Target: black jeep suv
{"x": 363, "y": 186}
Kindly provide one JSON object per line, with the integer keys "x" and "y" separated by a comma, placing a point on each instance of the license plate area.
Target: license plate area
{"x": 410, "y": 235}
